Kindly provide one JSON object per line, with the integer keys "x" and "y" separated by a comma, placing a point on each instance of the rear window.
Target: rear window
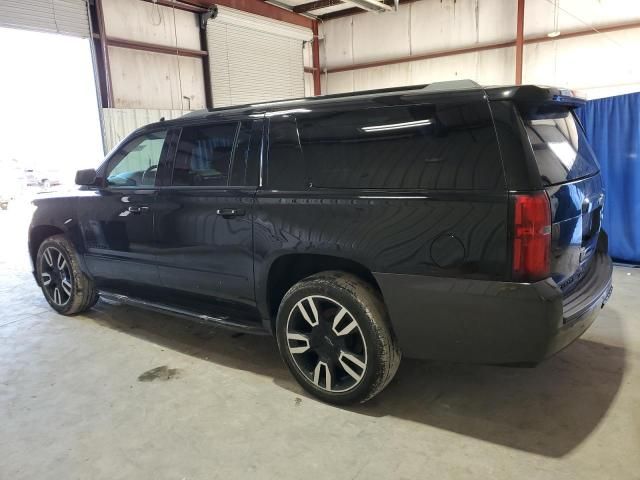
{"x": 416, "y": 146}
{"x": 560, "y": 146}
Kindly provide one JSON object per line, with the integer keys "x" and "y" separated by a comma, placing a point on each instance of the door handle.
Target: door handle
{"x": 230, "y": 212}
{"x": 138, "y": 210}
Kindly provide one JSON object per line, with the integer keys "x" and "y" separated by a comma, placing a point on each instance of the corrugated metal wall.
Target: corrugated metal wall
{"x": 249, "y": 67}
{"x": 254, "y": 59}
{"x": 68, "y": 17}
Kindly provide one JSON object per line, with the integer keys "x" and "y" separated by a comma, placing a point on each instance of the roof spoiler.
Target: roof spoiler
{"x": 530, "y": 95}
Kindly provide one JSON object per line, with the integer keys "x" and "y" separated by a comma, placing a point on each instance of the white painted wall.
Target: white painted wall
{"x": 155, "y": 80}
{"x": 143, "y": 79}
{"x": 146, "y": 22}
{"x": 119, "y": 122}
{"x": 596, "y": 65}
{"x": 148, "y": 85}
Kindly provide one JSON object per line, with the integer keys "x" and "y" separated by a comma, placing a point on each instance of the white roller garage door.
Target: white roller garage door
{"x": 68, "y": 17}
{"x": 254, "y": 59}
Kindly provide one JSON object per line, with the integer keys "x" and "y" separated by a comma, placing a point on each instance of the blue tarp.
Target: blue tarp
{"x": 613, "y": 128}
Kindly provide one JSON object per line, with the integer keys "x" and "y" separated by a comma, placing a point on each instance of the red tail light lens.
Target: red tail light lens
{"x": 532, "y": 237}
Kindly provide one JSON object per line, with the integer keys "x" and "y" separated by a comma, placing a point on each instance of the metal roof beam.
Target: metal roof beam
{"x": 354, "y": 11}
{"x": 317, "y": 5}
{"x": 258, "y": 7}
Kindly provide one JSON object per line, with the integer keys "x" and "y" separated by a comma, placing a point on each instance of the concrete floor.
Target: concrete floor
{"x": 77, "y": 401}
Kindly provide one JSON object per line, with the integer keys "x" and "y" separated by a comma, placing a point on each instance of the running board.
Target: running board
{"x": 223, "y": 321}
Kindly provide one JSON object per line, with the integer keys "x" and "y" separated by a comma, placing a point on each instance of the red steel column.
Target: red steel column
{"x": 315, "y": 50}
{"x": 519, "y": 42}
{"x": 104, "y": 50}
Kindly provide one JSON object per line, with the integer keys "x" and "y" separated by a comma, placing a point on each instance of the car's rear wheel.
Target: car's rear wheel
{"x": 67, "y": 289}
{"x": 334, "y": 335}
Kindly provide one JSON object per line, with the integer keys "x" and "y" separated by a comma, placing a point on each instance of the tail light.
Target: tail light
{"x": 532, "y": 237}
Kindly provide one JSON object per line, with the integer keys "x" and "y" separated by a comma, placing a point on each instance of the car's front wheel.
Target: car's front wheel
{"x": 334, "y": 335}
{"x": 65, "y": 286}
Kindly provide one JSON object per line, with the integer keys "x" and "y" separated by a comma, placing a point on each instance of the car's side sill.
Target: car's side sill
{"x": 222, "y": 321}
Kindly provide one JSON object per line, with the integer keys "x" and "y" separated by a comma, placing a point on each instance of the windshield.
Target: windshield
{"x": 560, "y": 146}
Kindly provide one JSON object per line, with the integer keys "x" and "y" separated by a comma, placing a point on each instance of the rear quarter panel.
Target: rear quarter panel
{"x": 437, "y": 234}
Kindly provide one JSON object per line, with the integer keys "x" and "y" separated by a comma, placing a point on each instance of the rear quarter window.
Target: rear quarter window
{"x": 427, "y": 146}
{"x": 286, "y": 166}
{"x": 560, "y": 147}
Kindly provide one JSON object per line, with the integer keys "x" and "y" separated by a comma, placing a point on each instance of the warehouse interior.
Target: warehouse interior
{"x": 119, "y": 392}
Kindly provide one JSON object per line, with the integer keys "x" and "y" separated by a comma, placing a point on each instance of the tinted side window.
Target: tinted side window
{"x": 286, "y": 165}
{"x": 417, "y": 146}
{"x": 243, "y": 166}
{"x": 204, "y": 154}
{"x": 136, "y": 163}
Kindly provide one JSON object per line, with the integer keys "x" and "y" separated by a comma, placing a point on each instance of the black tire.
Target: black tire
{"x": 81, "y": 295}
{"x": 325, "y": 295}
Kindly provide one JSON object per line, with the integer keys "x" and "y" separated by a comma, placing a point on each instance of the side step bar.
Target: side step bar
{"x": 222, "y": 321}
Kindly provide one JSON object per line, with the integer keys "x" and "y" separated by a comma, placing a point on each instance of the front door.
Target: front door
{"x": 117, "y": 218}
{"x": 204, "y": 215}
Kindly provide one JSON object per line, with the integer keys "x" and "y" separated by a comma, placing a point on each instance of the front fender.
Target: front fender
{"x": 54, "y": 215}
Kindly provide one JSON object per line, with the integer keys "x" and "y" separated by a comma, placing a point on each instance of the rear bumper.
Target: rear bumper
{"x": 491, "y": 322}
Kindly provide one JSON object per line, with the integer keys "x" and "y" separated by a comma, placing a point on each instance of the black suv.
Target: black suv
{"x": 446, "y": 221}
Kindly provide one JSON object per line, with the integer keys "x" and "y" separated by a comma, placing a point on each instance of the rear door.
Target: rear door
{"x": 204, "y": 217}
{"x": 570, "y": 174}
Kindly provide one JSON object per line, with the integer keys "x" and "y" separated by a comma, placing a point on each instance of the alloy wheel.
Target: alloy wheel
{"x": 326, "y": 344}
{"x": 55, "y": 276}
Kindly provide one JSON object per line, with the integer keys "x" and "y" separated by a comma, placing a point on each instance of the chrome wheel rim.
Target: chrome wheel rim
{"x": 55, "y": 276}
{"x": 326, "y": 344}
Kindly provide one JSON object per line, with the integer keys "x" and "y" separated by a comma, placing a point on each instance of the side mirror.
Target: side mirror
{"x": 86, "y": 177}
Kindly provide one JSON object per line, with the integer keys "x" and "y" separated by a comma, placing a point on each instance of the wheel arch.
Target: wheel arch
{"x": 288, "y": 269}
{"x": 39, "y": 234}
